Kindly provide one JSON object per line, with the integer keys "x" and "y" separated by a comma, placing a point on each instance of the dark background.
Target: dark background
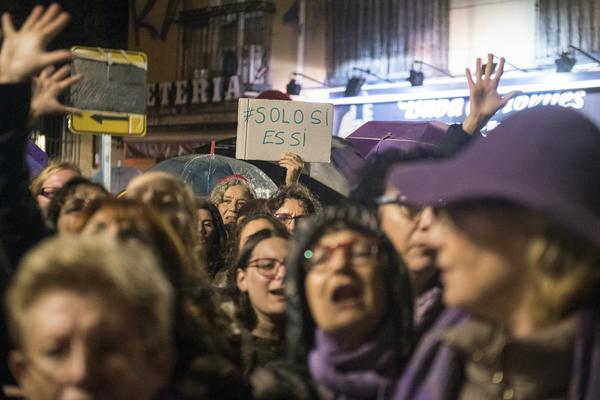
{"x": 101, "y": 23}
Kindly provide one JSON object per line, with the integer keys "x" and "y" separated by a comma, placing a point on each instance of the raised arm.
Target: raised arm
{"x": 293, "y": 164}
{"x": 23, "y": 54}
{"x": 483, "y": 95}
{"x": 47, "y": 87}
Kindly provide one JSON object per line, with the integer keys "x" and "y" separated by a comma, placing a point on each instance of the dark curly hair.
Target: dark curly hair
{"x": 309, "y": 200}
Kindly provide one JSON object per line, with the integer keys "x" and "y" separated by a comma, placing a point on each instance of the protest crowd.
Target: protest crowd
{"x": 469, "y": 270}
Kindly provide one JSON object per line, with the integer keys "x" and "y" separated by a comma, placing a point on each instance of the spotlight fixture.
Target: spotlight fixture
{"x": 417, "y": 76}
{"x": 353, "y": 86}
{"x": 566, "y": 60}
{"x": 293, "y": 87}
{"x": 484, "y": 67}
{"x": 564, "y": 63}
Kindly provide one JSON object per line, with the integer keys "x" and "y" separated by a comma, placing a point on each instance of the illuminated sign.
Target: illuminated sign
{"x": 195, "y": 91}
{"x": 455, "y": 110}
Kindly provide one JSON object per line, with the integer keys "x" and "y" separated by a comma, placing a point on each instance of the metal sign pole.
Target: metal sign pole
{"x": 106, "y": 153}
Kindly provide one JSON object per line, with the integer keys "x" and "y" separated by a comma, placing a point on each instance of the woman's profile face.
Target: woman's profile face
{"x": 480, "y": 259}
{"x": 206, "y": 226}
{"x": 344, "y": 284}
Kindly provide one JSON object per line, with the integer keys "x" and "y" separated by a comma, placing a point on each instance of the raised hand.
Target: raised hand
{"x": 47, "y": 87}
{"x": 23, "y": 51}
{"x": 483, "y": 95}
{"x": 293, "y": 164}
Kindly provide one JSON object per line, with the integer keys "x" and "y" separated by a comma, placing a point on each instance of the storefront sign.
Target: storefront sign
{"x": 269, "y": 128}
{"x": 455, "y": 110}
{"x": 195, "y": 91}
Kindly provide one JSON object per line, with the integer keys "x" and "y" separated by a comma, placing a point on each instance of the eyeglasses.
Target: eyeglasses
{"x": 358, "y": 253}
{"x": 267, "y": 267}
{"x": 48, "y": 192}
{"x": 288, "y": 218}
{"x": 411, "y": 211}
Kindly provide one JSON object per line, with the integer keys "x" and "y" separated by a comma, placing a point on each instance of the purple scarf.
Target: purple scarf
{"x": 367, "y": 372}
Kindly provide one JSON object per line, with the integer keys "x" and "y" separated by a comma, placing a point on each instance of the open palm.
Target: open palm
{"x": 483, "y": 94}
{"x": 23, "y": 51}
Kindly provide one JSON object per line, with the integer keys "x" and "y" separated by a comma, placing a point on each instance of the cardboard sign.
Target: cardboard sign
{"x": 112, "y": 93}
{"x": 269, "y": 128}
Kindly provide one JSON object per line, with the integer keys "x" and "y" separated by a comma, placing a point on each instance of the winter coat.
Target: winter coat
{"x": 436, "y": 369}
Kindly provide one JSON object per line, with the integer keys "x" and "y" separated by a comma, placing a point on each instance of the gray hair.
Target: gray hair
{"x": 216, "y": 195}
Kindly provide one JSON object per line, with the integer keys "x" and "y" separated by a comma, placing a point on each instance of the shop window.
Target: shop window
{"x": 564, "y": 23}
{"x": 231, "y": 39}
{"x": 385, "y": 36}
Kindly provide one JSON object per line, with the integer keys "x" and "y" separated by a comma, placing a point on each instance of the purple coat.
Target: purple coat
{"x": 436, "y": 371}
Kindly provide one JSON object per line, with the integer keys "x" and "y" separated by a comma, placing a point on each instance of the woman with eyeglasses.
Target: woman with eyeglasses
{"x": 50, "y": 180}
{"x": 260, "y": 298}
{"x": 349, "y": 312}
{"x": 293, "y": 203}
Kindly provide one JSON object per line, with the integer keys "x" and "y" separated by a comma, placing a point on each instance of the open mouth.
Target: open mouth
{"x": 280, "y": 292}
{"x": 345, "y": 294}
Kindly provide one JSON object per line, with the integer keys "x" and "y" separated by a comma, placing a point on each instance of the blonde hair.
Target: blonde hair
{"x": 125, "y": 274}
{"x": 566, "y": 274}
{"x": 54, "y": 166}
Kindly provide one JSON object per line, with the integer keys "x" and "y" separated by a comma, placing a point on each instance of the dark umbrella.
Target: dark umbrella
{"x": 375, "y": 137}
{"x": 203, "y": 171}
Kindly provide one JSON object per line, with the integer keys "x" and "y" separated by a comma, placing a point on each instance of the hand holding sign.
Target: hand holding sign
{"x": 293, "y": 164}
{"x": 267, "y": 129}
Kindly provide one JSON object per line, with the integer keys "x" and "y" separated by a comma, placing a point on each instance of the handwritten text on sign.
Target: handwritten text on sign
{"x": 269, "y": 128}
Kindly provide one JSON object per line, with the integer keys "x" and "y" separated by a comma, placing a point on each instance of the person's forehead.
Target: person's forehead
{"x": 340, "y": 236}
{"x": 292, "y": 207}
{"x": 204, "y": 214}
{"x": 236, "y": 191}
{"x": 59, "y": 178}
{"x": 272, "y": 247}
{"x": 255, "y": 225}
{"x": 152, "y": 180}
{"x": 61, "y": 312}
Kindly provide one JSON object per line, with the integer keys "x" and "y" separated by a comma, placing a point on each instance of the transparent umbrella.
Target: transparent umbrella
{"x": 203, "y": 171}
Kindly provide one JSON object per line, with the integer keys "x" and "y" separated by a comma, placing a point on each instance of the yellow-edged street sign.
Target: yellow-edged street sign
{"x": 112, "y": 93}
{"x": 104, "y": 122}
